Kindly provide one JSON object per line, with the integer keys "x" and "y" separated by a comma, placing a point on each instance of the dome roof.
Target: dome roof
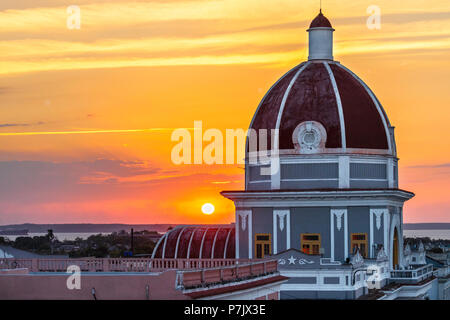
{"x": 331, "y": 96}
{"x": 197, "y": 242}
{"x": 320, "y": 22}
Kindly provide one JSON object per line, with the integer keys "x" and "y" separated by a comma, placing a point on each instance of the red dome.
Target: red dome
{"x": 328, "y": 93}
{"x": 320, "y": 22}
{"x": 197, "y": 242}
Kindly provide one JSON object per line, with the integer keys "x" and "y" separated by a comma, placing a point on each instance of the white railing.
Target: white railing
{"x": 420, "y": 273}
{"x": 117, "y": 264}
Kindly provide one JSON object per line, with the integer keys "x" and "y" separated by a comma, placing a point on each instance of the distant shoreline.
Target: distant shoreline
{"x": 426, "y": 226}
{"x": 86, "y": 228}
{"x": 116, "y": 227}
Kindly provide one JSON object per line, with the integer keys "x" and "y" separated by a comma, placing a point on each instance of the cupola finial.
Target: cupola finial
{"x": 320, "y": 38}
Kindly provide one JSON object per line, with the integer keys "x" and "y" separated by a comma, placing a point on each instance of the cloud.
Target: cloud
{"x": 93, "y": 131}
{"x": 5, "y": 125}
{"x": 4, "y": 90}
{"x": 31, "y": 180}
{"x": 430, "y": 166}
{"x": 19, "y": 178}
{"x": 104, "y": 190}
{"x": 30, "y": 4}
{"x": 162, "y": 33}
{"x": 8, "y": 125}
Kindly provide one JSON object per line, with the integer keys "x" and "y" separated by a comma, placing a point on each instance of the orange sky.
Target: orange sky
{"x": 136, "y": 70}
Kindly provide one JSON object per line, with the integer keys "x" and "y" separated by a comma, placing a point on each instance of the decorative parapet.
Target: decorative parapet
{"x": 357, "y": 260}
{"x": 407, "y": 250}
{"x": 329, "y": 262}
{"x": 381, "y": 255}
{"x": 421, "y": 247}
{"x": 204, "y": 278}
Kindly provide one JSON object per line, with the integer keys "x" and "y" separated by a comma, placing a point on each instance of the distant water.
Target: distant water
{"x": 61, "y": 236}
{"x": 432, "y": 234}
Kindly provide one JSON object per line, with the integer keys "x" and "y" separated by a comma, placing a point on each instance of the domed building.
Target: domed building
{"x": 324, "y": 179}
{"x": 321, "y": 189}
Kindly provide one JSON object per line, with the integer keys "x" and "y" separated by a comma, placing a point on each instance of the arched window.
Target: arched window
{"x": 395, "y": 249}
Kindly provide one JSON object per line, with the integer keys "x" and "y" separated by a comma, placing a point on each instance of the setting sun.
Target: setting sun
{"x": 208, "y": 208}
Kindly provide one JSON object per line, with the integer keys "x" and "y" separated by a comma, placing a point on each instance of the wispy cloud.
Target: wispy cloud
{"x": 227, "y": 182}
{"x": 430, "y": 166}
{"x": 8, "y": 125}
{"x": 37, "y": 133}
{"x": 174, "y": 33}
{"x": 4, "y": 90}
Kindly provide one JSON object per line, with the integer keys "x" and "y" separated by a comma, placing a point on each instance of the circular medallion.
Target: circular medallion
{"x": 309, "y": 137}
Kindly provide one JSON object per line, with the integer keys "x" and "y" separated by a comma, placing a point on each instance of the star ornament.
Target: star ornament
{"x": 292, "y": 260}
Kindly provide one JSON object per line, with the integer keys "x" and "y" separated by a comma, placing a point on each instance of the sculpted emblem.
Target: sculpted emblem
{"x": 309, "y": 137}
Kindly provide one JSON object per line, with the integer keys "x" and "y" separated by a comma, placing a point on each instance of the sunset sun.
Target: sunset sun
{"x": 208, "y": 208}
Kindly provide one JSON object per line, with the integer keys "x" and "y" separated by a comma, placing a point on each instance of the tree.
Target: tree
{"x": 50, "y": 234}
{"x": 51, "y": 237}
{"x": 436, "y": 250}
